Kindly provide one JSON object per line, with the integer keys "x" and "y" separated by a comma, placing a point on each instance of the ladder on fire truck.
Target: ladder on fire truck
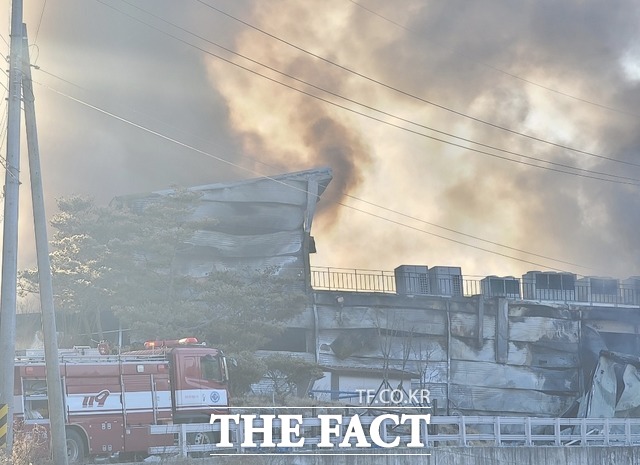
{"x": 86, "y": 354}
{"x": 153, "y": 351}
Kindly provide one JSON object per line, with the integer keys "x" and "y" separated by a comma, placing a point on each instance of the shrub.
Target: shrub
{"x": 30, "y": 447}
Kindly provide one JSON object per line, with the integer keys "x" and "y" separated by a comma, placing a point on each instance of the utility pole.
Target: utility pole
{"x": 54, "y": 387}
{"x": 10, "y": 227}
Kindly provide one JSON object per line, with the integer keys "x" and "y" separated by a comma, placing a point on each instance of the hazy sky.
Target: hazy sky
{"x": 487, "y": 72}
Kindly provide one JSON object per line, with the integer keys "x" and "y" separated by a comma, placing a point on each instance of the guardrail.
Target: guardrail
{"x": 465, "y": 431}
{"x": 355, "y": 280}
{"x": 339, "y": 279}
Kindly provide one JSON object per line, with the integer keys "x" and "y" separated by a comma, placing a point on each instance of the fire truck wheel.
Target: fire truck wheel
{"x": 75, "y": 447}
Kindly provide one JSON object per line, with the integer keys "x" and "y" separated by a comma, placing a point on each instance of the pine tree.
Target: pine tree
{"x": 122, "y": 258}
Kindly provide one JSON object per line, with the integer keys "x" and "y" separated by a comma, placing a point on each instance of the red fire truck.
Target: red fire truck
{"x": 110, "y": 400}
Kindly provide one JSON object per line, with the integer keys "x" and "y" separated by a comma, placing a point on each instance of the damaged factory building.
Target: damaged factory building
{"x": 545, "y": 344}
{"x": 548, "y": 344}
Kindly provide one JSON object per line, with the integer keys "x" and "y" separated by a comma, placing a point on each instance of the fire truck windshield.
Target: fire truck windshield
{"x": 211, "y": 368}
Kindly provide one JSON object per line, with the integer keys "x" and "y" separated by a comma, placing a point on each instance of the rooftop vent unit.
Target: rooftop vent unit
{"x": 598, "y": 290}
{"x": 630, "y": 291}
{"x": 549, "y": 285}
{"x": 494, "y": 286}
{"x": 412, "y": 280}
{"x": 445, "y": 280}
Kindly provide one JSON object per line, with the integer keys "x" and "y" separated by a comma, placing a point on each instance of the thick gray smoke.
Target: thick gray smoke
{"x": 477, "y": 58}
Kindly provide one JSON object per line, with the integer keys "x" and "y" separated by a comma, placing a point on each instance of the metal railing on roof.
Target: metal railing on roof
{"x": 342, "y": 279}
{"x": 579, "y": 292}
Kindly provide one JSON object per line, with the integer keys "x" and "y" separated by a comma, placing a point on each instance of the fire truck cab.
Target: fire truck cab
{"x": 110, "y": 400}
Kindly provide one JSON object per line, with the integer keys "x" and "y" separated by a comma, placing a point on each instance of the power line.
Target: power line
{"x": 40, "y": 22}
{"x": 254, "y": 172}
{"x": 471, "y": 236}
{"x": 3, "y": 136}
{"x": 507, "y": 73}
{"x": 375, "y": 13}
{"x": 3, "y": 122}
{"x": 1, "y": 83}
{"x": 591, "y": 174}
{"x": 60, "y": 78}
{"x": 147, "y": 115}
{"x": 408, "y": 94}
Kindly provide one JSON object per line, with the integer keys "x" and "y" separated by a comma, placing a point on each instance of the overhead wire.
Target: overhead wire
{"x": 147, "y": 115}
{"x": 5, "y": 111}
{"x": 589, "y": 173}
{"x": 375, "y": 13}
{"x": 471, "y": 236}
{"x": 507, "y": 73}
{"x": 413, "y": 96}
{"x": 6, "y": 59}
{"x": 4, "y": 86}
{"x": 35, "y": 40}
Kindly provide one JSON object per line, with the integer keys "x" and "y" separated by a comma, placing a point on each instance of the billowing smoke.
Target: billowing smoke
{"x": 484, "y": 60}
{"x": 566, "y": 72}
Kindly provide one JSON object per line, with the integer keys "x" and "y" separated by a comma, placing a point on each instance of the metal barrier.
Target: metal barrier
{"x": 352, "y": 280}
{"x": 530, "y": 431}
{"x": 461, "y": 431}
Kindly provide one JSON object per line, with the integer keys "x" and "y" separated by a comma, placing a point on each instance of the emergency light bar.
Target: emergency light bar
{"x": 170, "y": 342}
